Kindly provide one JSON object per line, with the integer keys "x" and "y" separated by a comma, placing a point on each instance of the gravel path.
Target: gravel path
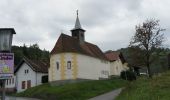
{"x": 108, "y": 96}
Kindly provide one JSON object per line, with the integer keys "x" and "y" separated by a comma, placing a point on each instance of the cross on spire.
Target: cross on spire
{"x": 77, "y": 12}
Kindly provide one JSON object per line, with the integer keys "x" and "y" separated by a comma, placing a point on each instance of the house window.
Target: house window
{"x": 28, "y": 83}
{"x": 12, "y": 80}
{"x": 68, "y": 64}
{"x": 7, "y": 82}
{"x": 23, "y": 85}
{"x": 57, "y": 65}
{"x": 26, "y": 71}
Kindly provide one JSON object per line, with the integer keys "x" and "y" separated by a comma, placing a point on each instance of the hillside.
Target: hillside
{"x": 31, "y": 52}
{"x": 74, "y": 91}
{"x": 157, "y": 88}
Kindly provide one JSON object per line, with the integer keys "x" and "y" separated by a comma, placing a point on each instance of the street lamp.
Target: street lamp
{"x": 6, "y": 35}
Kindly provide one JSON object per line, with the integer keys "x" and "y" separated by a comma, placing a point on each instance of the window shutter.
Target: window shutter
{"x": 23, "y": 84}
{"x": 28, "y": 83}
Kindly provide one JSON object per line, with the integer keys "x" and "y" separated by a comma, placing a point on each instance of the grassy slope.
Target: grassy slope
{"x": 157, "y": 88}
{"x": 76, "y": 91}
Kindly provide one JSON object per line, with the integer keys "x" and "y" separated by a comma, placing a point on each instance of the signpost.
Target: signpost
{"x": 6, "y": 58}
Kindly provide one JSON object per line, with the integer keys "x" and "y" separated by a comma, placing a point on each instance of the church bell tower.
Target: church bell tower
{"x": 77, "y": 31}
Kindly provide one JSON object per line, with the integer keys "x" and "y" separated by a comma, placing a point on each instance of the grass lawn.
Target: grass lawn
{"x": 157, "y": 88}
{"x": 74, "y": 91}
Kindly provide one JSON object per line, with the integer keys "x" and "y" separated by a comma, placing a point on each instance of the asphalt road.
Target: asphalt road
{"x": 108, "y": 96}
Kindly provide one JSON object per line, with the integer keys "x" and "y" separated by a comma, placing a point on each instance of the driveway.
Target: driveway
{"x": 108, "y": 96}
{"x": 19, "y": 98}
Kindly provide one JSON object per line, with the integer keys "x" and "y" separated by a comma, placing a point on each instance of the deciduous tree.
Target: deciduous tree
{"x": 148, "y": 36}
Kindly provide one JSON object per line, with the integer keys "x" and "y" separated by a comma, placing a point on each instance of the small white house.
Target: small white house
{"x": 30, "y": 73}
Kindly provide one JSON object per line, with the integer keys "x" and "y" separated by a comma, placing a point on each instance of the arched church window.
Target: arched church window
{"x": 68, "y": 64}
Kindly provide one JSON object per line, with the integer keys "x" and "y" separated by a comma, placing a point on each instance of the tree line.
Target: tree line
{"x": 32, "y": 52}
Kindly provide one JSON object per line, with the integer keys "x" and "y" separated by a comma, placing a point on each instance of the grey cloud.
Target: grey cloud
{"x": 111, "y": 21}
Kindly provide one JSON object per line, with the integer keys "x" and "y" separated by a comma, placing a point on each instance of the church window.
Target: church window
{"x": 117, "y": 68}
{"x": 68, "y": 64}
{"x": 57, "y": 65}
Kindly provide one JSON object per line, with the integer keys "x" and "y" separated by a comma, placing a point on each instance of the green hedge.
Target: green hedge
{"x": 128, "y": 75}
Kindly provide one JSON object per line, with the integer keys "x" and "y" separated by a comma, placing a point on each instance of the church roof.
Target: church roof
{"x": 67, "y": 43}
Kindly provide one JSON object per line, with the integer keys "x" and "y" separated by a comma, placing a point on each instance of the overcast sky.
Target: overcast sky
{"x": 110, "y": 24}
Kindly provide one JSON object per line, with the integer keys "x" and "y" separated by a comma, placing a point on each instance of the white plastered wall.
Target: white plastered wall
{"x": 116, "y": 67}
{"x": 87, "y": 67}
{"x": 92, "y": 68}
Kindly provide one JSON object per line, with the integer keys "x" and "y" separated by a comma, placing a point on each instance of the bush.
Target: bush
{"x": 128, "y": 75}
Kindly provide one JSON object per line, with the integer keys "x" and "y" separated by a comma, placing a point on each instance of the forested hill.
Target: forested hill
{"x": 32, "y": 52}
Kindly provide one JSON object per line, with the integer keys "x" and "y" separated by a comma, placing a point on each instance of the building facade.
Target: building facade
{"x": 117, "y": 62}
{"x": 77, "y": 66}
{"x": 29, "y": 74}
{"x": 10, "y": 85}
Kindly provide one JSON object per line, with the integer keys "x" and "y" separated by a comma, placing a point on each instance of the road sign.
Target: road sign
{"x": 6, "y": 65}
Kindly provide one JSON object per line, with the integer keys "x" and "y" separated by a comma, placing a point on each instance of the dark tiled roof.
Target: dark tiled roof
{"x": 37, "y": 66}
{"x": 67, "y": 43}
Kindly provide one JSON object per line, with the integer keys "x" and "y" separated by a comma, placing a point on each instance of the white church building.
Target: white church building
{"x": 74, "y": 58}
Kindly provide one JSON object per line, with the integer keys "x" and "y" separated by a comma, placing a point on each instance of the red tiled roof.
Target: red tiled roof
{"x": 67, "y": 43}
{"x": 37, "y": 66}
{"x": 112, "y": 55}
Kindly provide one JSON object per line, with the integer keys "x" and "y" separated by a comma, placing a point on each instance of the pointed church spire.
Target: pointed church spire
{"x": 77, "y": 24}
{"x": 77, "y": 31}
